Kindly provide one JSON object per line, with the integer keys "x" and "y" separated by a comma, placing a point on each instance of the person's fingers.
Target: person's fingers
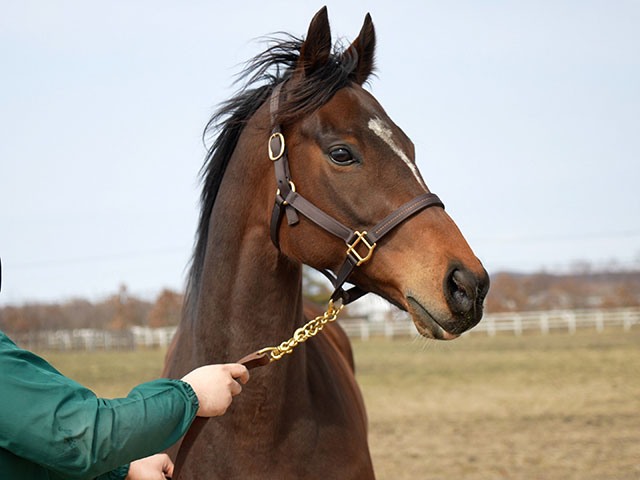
{"x": 239, "y": 372}
{"x": 235, "y": 388}
{"x": 167, "y": 466}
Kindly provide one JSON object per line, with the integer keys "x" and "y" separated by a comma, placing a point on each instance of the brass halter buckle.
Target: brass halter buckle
{"x": 273, "y": 157}
{"x": 361, "y": 237}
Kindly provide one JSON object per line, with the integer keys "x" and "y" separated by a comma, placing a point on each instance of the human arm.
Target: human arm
{"x": 53, "y": 421}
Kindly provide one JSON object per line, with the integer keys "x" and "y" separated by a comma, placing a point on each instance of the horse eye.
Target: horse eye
{"x": 341, "y": 156}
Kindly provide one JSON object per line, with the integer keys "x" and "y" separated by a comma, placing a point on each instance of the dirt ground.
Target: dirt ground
{"x": 533, "y": 407}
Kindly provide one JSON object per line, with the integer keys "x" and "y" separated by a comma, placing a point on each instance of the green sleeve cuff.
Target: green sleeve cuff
{"x": 191, "y": 395}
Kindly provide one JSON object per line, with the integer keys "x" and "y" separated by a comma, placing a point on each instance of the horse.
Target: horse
{"x": 303, "y": 417}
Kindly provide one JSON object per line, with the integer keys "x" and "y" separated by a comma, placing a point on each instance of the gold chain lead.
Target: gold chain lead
{"x": 304, "y": 333}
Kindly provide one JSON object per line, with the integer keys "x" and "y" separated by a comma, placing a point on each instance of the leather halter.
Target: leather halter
{"x": 289, "y": 202}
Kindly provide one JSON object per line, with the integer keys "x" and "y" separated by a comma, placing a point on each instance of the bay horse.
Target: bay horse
{"x": 303, "y": 417}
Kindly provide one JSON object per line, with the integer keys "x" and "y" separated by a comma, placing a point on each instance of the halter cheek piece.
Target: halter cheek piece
{"x": 360, "y": 245}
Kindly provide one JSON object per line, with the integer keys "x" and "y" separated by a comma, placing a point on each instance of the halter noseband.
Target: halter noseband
{"x": 289, "y": 202}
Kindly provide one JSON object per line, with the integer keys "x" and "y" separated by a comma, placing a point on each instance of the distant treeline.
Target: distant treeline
{"x": 117, "y": 312}
{"x": 509, "y": 292}
{"x": 512, "y": 292}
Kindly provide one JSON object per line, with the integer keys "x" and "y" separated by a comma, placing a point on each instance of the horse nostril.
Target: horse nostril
{"x": 461, "y": 291}
{"x": 464, "y": 292}
{"x": 459, "y": 281}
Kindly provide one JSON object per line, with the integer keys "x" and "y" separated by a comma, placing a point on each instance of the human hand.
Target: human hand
{"x": 215, "y": 385}
{"x": 155, "y": 467}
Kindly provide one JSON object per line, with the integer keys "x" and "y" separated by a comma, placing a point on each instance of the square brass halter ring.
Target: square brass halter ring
{"x": 360, "y": 238}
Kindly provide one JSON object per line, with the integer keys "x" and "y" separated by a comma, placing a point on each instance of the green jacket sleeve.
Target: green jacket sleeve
{"x": 57, "y": 423}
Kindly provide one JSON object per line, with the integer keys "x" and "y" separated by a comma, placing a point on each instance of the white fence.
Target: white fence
{"x": 516, "y": 323}
{"x": 359, "y": 328}
{"x": 91, "y": 339}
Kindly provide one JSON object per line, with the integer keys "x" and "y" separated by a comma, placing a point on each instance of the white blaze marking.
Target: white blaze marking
{"x": 384, "y": 132}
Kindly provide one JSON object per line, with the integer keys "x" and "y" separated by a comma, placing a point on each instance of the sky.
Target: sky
{"x": 525, "y": 117}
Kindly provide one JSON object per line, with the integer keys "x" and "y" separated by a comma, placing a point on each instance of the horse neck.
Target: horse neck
{"x": 250, "y": 294}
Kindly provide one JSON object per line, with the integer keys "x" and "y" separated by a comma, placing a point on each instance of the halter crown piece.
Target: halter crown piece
{"x": 360, "y": 245}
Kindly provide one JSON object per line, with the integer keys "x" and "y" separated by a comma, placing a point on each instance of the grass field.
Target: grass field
{"x": 534, "y": 407}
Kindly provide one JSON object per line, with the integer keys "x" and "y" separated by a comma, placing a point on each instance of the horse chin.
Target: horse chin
{"x": 425, "y": 323}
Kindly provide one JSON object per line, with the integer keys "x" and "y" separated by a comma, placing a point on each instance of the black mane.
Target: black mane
{"x": 260, "y": 76}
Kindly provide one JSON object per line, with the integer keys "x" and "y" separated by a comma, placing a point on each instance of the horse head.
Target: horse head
{"x": 352, "y": 161}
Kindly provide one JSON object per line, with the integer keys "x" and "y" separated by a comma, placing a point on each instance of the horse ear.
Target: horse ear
{"x": 316, "y": 48}
{"x": 363, "y": 50}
